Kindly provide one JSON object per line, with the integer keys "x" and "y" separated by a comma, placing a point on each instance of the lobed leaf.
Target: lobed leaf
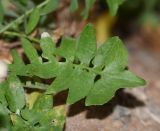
{"x": 87, "y": 72}
{"x": 76, "y": 65}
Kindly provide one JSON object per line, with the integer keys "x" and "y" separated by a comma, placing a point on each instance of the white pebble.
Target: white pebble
{"x": 3, "y": 70}
{"x": 44, "y": 35}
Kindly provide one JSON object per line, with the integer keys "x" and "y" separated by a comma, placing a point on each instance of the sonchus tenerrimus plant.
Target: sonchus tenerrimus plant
{"x": 76, "y": 65}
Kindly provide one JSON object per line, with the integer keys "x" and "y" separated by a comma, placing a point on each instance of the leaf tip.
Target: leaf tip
{"x": 89, "y": 25}
{"x": 142, "y": 82}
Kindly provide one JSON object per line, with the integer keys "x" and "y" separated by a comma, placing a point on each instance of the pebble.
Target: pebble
{"x": 3, "y": 70}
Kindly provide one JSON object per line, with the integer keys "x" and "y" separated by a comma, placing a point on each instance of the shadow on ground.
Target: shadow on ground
{"x": 100, "y": 112}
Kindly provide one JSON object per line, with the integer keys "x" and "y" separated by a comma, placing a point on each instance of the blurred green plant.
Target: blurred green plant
{"x": 150, "y": 14}
{"x": 112, "y": 4}
{"x": 142, "y": 11}
{"x": 14, "y": 21}
{"x": 18, "y": 16}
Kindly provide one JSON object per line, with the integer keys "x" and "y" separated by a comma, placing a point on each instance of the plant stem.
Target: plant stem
{"x": 21, "y": 35}
{"x": 20, "y": 19}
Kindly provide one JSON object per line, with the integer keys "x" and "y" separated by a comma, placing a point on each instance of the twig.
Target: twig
{"x": 21, "y": 35}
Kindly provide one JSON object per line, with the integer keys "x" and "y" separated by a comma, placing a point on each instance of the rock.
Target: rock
{"x": 3, "y": 70}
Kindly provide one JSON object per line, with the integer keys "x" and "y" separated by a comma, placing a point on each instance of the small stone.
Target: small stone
{"x": 45, "y": 35}
{"x": 3, "y": 70}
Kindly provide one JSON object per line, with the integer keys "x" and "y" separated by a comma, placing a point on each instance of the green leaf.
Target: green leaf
{"x": 2, "y": 94}
{"x": 21, "y": 6}
{"x": 45, "y": 70}
{"x": 33, "y": 21}
{"x": 30, "y": 51}
{"x": 67, "y": 48}
{"x": 47, "y": 46}
{"x": 105, "y": 88}
{"x": 51, "y": 6}
{"x": 97, "y": 82}
{"x": 89, "y": 4}
{"x": 72, "y": 79}
{"x": 86, "y": 72}
{"x": 86, "y": 44}
{"x": 41, "y": 110}
{"x": 114, "y": 5}
{"x": 64, "y": 75}
{"x": 43, "y": 102}
{"x": 44, "y": 105}
{"x": 74, "y": 5}
{"x": 77, "y": 88}
{"x": 112, "y": 54}
{"x": 23, "y": 2}
{"x": 1, "y": 12}
{"x": 17, "y": 59}
{"x": 36, "y": 68}
{"x": 14, "y": 94}
{"x": 17, "y": 121}
{"x": 18, "y": 66}
{"x": 5, "y": 120}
